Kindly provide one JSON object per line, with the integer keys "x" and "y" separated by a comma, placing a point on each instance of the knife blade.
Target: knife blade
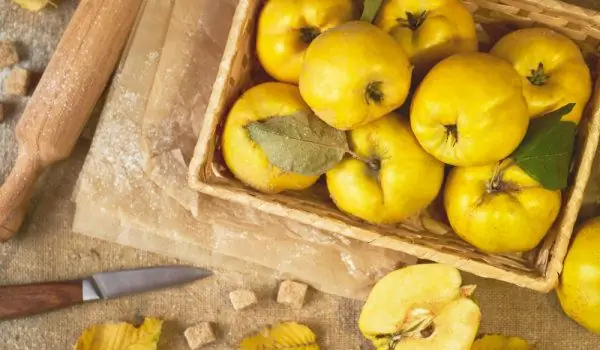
{"x": 29, "y": 299}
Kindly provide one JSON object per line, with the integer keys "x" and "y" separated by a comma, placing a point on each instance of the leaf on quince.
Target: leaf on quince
{"x": 300, "y": 143}
{"x": 283, "y": 335}
{"x": 117, "y": 336}
{"x": 501, "y": 342}
{"x": 546, "y": 151}
{"x": 34, "y": 5}
{"x": 370, "y": 9}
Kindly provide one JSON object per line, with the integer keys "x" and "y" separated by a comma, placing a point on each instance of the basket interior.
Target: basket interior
{"x": 429, "y": 228}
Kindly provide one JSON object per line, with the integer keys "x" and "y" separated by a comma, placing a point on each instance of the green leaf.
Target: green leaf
{"x": 546, "y": 151}
{"x": 300, "y": 143}
{"x": 370, "y": 9}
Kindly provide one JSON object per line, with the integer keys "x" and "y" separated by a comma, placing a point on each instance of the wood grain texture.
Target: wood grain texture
{"x": 64, "y": 98}
{"x": 29, "y": 299}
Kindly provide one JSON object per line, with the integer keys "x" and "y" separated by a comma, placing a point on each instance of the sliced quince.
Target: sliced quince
{"x": 34, "y": 5}
{"x": 421, "y": 307}
{"x": 283, "y": 335}
{"x": 501, "y": 342}
{"x": 123, "y": 335}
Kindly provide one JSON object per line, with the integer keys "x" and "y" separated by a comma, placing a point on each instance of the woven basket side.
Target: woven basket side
{"x": 581, "y": 25}
{"x": 233, "y": 74}
{"x": 586, "y": 161}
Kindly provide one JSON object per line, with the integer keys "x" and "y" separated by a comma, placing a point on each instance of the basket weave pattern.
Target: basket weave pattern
{"x": 425, "y": 235}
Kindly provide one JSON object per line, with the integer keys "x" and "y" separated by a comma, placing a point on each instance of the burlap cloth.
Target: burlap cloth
{"x": 46, "y": 249}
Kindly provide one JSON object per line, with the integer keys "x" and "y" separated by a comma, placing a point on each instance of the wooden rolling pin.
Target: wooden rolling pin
{"x": 63, "y": 101}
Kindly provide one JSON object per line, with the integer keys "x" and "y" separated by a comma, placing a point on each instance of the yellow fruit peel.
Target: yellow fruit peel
{"x": 120, "y": 336}
{"x": 34, "y": 5}
{"x": 501, "y": 342}
{"x": 283, "y": 335}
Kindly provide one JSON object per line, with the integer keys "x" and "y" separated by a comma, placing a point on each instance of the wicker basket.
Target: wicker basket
{"x": 421, "y": 236}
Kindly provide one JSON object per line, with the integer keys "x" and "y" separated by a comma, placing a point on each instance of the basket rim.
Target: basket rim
{"x": 544, "y": 283}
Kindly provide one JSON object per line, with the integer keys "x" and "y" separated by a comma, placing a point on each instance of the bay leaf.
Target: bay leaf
{"x": 370, "y": 9}
{"x": 547, "y": 149}
{"x": 299, "y": 143}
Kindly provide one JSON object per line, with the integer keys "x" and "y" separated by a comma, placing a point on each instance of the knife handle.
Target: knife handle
{"x": 28, "y": 299}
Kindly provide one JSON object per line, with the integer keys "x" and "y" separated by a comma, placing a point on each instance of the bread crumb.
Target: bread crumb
{"x": 242, "y": 298}
{"x": 8, "y": 54}
{"x": 199, "y": 335}
{"x": 292, "y": 293}
{"x": 17, "y": 82}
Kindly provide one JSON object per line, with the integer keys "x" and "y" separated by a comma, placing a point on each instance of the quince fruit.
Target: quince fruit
{"x": 428, "y": 30}
{"x": 353, "y": 74}
{"x": 552, "y": 68}
{"x": 578, "y": 290}
{"x": 470, "y": 110}
{"x": 390, "y": 176}
{"x": 499, "y": 208}
{"x": 286, "y": 29}
{"x": 245, "y": 158}
{"x": 421, "y": 307}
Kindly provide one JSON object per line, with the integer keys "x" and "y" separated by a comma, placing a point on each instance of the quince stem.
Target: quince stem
{"x": 538, "y": 77}
{"x": 373, "y": 164}
{"x": 496, "y": 183}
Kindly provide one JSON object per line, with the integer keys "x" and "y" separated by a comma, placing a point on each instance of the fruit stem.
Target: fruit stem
{"x": 413, "y": 20}
{"x": 538, "y": 77}
{"x": 394, "y": 341}
{"x": 497, "y": 184}
{"x": 373, "y": 92}
{"x": 308, "y": 34}
{"x": 373, "y": 164}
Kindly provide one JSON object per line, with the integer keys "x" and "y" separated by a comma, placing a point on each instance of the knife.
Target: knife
{"x": 29, "y": 299}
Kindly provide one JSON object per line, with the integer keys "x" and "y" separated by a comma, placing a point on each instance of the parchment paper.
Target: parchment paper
{"x": 147, "y": 193}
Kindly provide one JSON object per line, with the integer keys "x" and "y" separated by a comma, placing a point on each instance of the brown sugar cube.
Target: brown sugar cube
{"x": 242, "y": 298}
{"x": 8, "y": 54}
{"x": 292, "y": 293}
{"x": 199, "y": 335}
{"x": 17, "y": 82}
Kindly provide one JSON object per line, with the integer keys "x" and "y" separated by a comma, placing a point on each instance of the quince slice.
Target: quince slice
{"x": 421, "y": 306}
{"x": 283, "y": 335}
{"x": 118, "y": 336}
{"x": 34, "y": 5}
{"x": 500, "y": 342}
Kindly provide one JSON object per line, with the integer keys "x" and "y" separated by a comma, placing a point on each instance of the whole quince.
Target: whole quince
{"x": 286, "y": 29}
{"x": 428, "y": 30}
{"x": 354, "y": 74}
{"x": 578, "y": 290}
{"x": 390, "y": 177}
{"x": 552, "y": 68}
{"x": 244, "y": 158}
{"x": 422, "y": 307}
{"x": 499, "y": 208}
{"x": 470, "y": 110}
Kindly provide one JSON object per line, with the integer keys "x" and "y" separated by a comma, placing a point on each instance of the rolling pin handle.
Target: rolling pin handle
{"x": 16, "y": 192}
